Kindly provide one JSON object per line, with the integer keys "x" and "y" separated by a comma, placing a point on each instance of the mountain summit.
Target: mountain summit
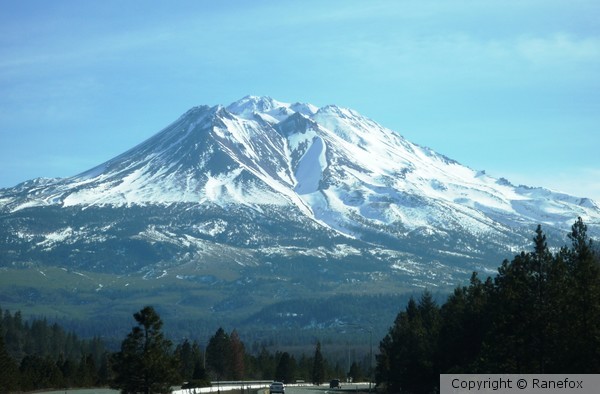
{"x": 321, "y": 198}
{"x": 340, "y": 169}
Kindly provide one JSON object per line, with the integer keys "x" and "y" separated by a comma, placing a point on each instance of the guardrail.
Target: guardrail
{"x": 234, "y": 385}
{"x": 253, "y": 385}
{"x": 226, "y": 386}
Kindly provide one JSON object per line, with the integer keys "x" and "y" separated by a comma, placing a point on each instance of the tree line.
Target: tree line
{"x": 38, "y": 355}
{"x": 539, "y": 314}
{"x": 146, "y": 362}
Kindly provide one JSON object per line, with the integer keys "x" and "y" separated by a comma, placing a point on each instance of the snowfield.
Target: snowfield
{"x": 338, "y": 167}
{"x": 331, "y": 167}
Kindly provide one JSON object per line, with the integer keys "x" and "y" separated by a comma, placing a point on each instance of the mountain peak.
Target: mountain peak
{"x": 250, "y": 105}
{"x": 341, "y": 168}
{"x": 269, "y": 109}
{"x": 304, "y": 108}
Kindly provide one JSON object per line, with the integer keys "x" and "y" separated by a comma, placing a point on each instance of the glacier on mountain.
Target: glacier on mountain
{"x": 341, "y": 169}
{"x": 323, "y": 198}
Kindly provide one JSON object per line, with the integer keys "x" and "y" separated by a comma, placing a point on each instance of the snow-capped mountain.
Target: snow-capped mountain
{"x": 336, "y": 167}
{"x": 261, "y": 188}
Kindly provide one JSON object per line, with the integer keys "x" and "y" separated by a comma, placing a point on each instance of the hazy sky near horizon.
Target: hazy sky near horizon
{"x": 510, "y": 87}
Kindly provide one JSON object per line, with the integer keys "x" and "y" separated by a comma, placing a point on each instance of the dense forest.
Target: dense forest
{"x": 539, "y": 314}
{"x": 38, "y": 355}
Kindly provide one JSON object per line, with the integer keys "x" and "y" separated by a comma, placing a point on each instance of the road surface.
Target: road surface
{"x": 347, "y": 388}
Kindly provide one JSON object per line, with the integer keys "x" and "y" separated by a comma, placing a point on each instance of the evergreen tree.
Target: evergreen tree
{"x": 39, "y": 373}
{"x": 238, "y": 354}
{"x": 559, "y": 310}
{"x": 14, "y": 336}
{"x": 318, "y": 368}
{"x": 9, "y": 372}
{"x": 145, "y": 363}
{"x": 429, "y": 313}
{"x": 266, "y": 363}
{"x": 542, "y": 318}
{"x": 540, "y": 314}
{"x": 355, "y": 373}
{"x": 187, "y": 362}
{"x": 406, "y": 362}
{"x": 67, "y": 370}
{"x": 192, "y": 368}
{"x": 510, "y": 345}
{"x": 87, "y": 373}
{"x": 105, "y": 373}
{"x": 286, "y": 368}
{"x": 529, "y": 294}
{"x": 218, "y": 354}
{"x": 392, "y": 360}
{"x": 452, "y": 352}
{"x": 200, "y": 373}
{"x": 584, "y": 301}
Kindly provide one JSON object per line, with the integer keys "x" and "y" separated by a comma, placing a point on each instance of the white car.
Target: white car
{"x": 277, "y": 387}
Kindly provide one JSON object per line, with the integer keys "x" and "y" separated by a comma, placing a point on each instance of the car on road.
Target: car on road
{"x": 276, "y": 388}
{"x": 334, "y": 384}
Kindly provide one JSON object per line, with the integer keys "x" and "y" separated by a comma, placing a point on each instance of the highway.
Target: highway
{"x": 347, "y": 388}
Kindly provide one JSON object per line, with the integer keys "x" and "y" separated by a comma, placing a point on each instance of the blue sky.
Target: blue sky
{"x": 510, "y": 87}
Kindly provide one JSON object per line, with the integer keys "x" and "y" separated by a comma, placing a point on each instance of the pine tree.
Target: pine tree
{"x": 238, "y": 354}
{"x": 584, "y": 300}
{"x": 218, "y": 354}
{"x": 145, "y": 363}
{"x": 407, "y": 353}
{"x": 452, "y": 353}
{"x": 105, "y": 371}
{"x": 520, "y": 335}
{"x": 14, "y": 334}
{"x": 355, "y": 373}
{"x": 465, "y": 322}
{"x": 542, "y": 261}
{"x": 186, "y": 360}
{"x": 195, "y": 363}
{"x": 559, "y": 309}
{"x": 39, "y": 373}
{"x": 285, "y": 368}
{"x": 540, "y": 314}
{"x": 87, "y": 373}
{"x": 318, "y": 370}
{"x": 9, "y": 373}
{"x": 266, "y": 363}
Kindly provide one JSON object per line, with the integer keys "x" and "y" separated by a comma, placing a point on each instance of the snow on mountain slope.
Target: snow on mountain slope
{"x": 232, "y": 208}
{"x": 332, "y": 165}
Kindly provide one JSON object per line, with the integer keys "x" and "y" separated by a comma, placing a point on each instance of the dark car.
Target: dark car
{"x": 276, "y": 388}
{"x": 334, "y": 384}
